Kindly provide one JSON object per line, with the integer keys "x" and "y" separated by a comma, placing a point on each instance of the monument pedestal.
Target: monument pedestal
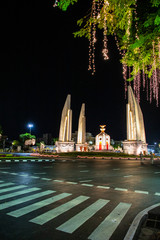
{"x": 135, "y": 147}
{"x": 81, "y": 147}
{"x": 64, "y": 146}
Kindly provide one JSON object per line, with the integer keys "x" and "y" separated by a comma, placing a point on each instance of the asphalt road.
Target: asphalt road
{"x": 74, "y": 199}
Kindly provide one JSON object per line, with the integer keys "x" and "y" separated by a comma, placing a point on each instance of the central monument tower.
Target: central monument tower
{"x": 65, "y": 143}
{"x": 136, "y": 138}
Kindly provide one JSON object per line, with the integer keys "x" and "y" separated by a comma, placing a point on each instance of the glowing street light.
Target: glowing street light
{"x": 30, "y": 125}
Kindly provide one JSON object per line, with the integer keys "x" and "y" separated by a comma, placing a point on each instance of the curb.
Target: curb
{"x": 136, "y": 224}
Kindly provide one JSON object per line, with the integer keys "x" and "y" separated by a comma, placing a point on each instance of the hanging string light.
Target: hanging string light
{"x": 105, "y": 48}
{"x": 56, "y": 3}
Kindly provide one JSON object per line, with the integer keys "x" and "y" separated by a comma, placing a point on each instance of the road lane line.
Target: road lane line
{"x": 16, "y": 160}
{"x": 85, "y": 171}
{"x": 6, "y": 184}
{"x": 23, "y": 175}
{"x": 87, "y": 185}
{"x": 46, "y": 179}
{"x": 85, "y": 181}
{"x": 34, "y": 177}
{"x": 30, "y": 208}
{"x": 156, "y": 172}
{"x": 121, "y": 189}
{"x": 72, "y": 183}
{"x": 58, "y": 180}
{"x": 143, "y": 192}
{"x": 103, "y": 187}
{"x": 75, "y": 222}
{"x": 1, "y": 181}
{"x": 105, "y": 230}
{"x": 128, "y": 176}
{"x": 24, "y": 199}
{"x": 14, "y": 173}
{"x": 12, "y": 188}
{"x": 45, "y": 217}
{"x": 157, "y": 194}
{"x": 10, "y": 195}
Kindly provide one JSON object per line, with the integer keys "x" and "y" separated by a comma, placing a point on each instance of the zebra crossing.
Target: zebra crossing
{"x": 12, "y": 198}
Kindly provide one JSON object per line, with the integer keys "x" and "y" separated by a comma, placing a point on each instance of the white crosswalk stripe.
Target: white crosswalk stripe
{"x": 110, "y": 223}
{"x": 6, "y": 184}
{"x": 103, "y": 231}
{"x": 14, "y": 194}
{"x": 75, "y": 222}
{"x": 25, "y": 199}
{"x": 41, "y": 219}
{"x": 22, "y": 211}
{"x": 12, "y": 188}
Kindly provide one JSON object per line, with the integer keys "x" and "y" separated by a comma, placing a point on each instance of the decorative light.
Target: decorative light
{"x": 56, "y": 3}
{"x": 105, "y": 48}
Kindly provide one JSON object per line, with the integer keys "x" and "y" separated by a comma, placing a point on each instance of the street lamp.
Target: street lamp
{"x": 30, "y": 125}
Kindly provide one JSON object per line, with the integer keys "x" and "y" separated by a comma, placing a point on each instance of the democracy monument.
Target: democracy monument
{"x": 136, "y": 138}
{"x": 134, "y": 144}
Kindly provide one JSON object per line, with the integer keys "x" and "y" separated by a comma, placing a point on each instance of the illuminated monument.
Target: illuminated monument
{"x": 103, "y": 140}
{"x": 65, "y": 144}
{"x": 81, "y": 137}
{"x": 136, "y": 139}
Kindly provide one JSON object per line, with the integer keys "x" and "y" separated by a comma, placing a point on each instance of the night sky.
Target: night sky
{"x": 42, "y": 62}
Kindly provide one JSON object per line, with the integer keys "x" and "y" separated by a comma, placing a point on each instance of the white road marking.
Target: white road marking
{"x": 10, "y": 195}
{"x": 156, "y": 172}
{"x": 24, "y": 199}
{"x": 1, "y": 181}
{"x": 45, "y": 217}
{"x": 47, "y": 179}
{"x": 23, "y": 175}
{"x": 75, "y": 222}
{"x": 103, "y": 187}
{"x": 82, "y": 165}
{"x": 87, "y": 185}
{"x": 25, "y": 160}
{"x": 33, "y": 160}
{"x": 128, "y": 176}
{"x": 85, "y": 171}
{"x": 6, "y": 184}
{"x": 157, "y": 194}
{"x": 72, "y": 183}
{"x": 4, "y": 172}
{"x": 58, "y": 180}
{"x": 40, "y": 173}
{"x": 30, "y": 208}
{"x": 143, "y": 192}
{"x": 16, "y": 160}
{"x": 12, "y": 188}
{"x": 14, "y": 173}
{"x": 8, "y": 160}
{"x": 105, "y": 230}
{"x": 121, "y": 189}
{"x": 85, "y": 181}
{"x": 34, "y": 177}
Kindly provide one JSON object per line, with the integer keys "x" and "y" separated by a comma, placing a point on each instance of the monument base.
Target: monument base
{"x": 135, "y": 147}
{"x": 64, "y": 146}
{"x": 81, "y": 147}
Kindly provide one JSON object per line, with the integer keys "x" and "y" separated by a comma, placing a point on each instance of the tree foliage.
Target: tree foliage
{"x": 136, "y": 27}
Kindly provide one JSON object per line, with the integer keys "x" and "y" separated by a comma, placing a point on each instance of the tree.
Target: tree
{"x": 25, "y": 136}
{"x": 135, "y": 25}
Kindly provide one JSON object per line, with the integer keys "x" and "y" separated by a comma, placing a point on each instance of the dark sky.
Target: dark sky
{"x": 42, "y": 62}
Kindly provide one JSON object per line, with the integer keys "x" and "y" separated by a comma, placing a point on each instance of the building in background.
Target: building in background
{"x": 103, "y": 140}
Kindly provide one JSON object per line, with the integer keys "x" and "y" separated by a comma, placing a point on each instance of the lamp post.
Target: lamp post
{"x": 30, "y": 125}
